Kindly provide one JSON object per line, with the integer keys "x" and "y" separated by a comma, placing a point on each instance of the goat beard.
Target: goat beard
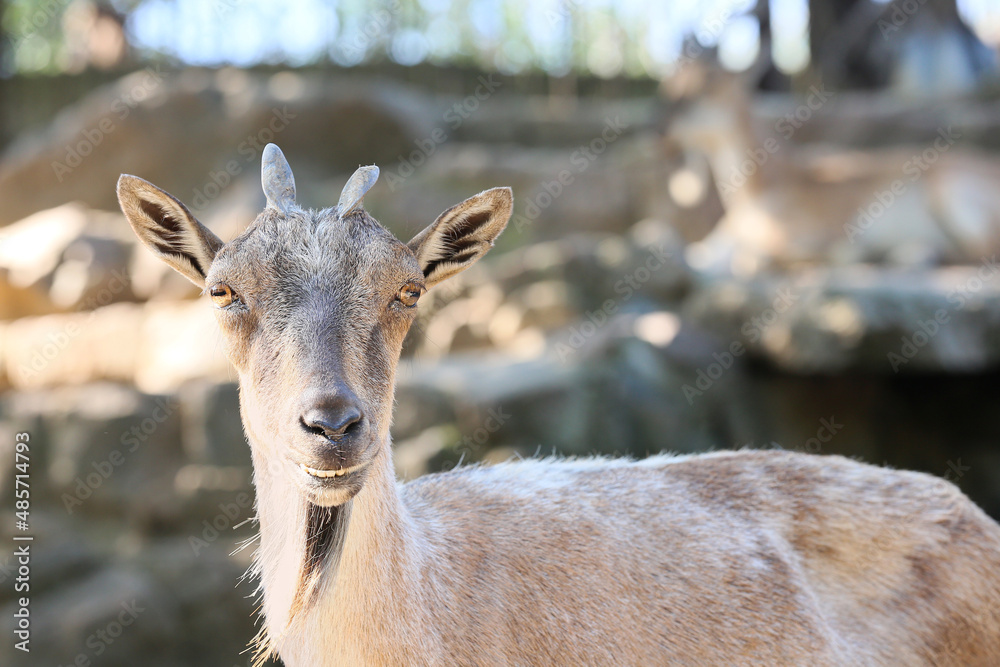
{"x": 326, "y": 529}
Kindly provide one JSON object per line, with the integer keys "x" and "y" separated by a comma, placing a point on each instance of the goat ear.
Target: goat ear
{"x": 462, "y": 234}
{"x": 167, "y": 228}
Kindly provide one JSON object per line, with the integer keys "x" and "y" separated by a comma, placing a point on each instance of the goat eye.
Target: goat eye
{"x": 222, "y": 295}
{"x": 409, "y": 294}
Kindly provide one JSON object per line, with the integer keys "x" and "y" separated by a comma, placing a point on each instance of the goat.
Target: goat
{"x": 727, "y": 558}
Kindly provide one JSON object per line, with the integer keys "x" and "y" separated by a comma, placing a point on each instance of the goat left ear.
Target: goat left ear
{"x": 167, "y": 228}
{"x": 462, "y": 234}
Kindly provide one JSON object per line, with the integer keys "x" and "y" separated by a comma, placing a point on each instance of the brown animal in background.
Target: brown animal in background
{"x": 731, "y": 558}
{"x": 790, "y": 203}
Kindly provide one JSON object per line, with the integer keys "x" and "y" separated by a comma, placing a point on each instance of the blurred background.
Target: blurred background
{"x": 737, "y": 224}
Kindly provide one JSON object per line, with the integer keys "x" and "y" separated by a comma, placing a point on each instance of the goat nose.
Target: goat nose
{"x": 332, "y": 423}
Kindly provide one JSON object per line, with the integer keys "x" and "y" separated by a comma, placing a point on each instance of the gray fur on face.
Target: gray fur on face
{"x": 321, "y": 300}
{"x": 318, "y": 305}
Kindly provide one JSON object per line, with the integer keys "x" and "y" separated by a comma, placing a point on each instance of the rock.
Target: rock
{"x": 660, "y": 249}
{"x": 113, "y": 614}
{"x": 157, "y": 599}
{"x": 596, "y": 198}
{"x": 416, "y": 456}
{"x": 73, "y": 348}
{"x": 531, "y": 293}
{"x": 158, "y": 346}
{"x": 180, "y": 341}
{"x": 880, "y": 320}
{"x": 4, "y": 382}
{"x": 102, "y": 448}
{"x": 419, "y": 406}
{"x": 216, "y": 611}
{"x": 547, "y": 304}
{"x": 636, "y": 385}
{"x": 65, "y": 552}
{"x": 33, "y": 247}
{"x": 69, "y": 258}
{"x": 555, "y": 120}
{"x": 213, "y": 429}
{"x": 17, "y": 301}
{"x": 93, "y": 273}
{"x": 228, "y": 115}
{"x": 497, "y": 400}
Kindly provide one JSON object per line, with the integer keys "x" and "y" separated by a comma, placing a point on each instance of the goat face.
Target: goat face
{"x": 314, "y": 307}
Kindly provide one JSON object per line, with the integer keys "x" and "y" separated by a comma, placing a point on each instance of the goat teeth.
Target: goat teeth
{"x": 316, "y": 472}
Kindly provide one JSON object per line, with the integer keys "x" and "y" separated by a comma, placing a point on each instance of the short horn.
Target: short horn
{"x": 276, "y": 178}
{"x": 360, "y": 183}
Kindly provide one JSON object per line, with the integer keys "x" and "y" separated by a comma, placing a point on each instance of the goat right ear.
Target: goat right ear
{"x": 167, "y": 228}
{"x": 462, "y": 234}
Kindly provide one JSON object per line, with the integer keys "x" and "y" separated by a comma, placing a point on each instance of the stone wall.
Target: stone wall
{"x": 591, "y": 329}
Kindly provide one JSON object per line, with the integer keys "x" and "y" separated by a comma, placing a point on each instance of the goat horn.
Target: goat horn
{"x": 276, "y": 179}
{"x": 357, "y": 185}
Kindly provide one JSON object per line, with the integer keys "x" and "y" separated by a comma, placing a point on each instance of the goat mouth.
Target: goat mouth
{"x": 326, "y": 474}
{"x": 328, "y": 487}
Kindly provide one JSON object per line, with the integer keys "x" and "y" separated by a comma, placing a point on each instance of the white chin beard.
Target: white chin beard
{"x": 331, "y": 497}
